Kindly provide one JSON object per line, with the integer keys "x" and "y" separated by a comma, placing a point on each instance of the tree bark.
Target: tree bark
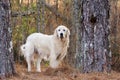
{"x": 74, "y": 48}
{"x": 76, "y": 26}
{"x": 6, "y": 53}
{"x": 40, "y": 14}
{"x": 95, "y": 52}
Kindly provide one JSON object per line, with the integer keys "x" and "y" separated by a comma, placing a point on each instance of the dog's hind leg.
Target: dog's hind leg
{"x": 29, "y": 52}
{"x": 28, "y": 60}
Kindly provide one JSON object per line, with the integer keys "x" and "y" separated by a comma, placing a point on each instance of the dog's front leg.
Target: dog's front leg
{"x": 53, "y": 62}
{"x": 38, "y": 65}
{"x": 61, "y": 56}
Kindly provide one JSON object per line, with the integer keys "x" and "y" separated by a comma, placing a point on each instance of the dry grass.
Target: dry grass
{"x": 63, "y": 73}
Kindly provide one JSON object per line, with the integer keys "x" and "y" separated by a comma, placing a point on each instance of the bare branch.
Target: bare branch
{"x": 56, "y": 13}
{"x": 24, "y": 13}
{"x": 49, "y": 7}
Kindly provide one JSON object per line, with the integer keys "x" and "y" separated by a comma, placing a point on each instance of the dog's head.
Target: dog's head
{"x": 62, "y": 32}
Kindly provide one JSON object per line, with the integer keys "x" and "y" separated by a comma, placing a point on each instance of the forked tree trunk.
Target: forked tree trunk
{"x": 95, "y": 52}
{"x": 6, "y": 53}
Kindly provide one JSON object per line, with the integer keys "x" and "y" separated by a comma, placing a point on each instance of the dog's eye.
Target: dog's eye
{"x": 63, "y": 29}
{"x": 58, "y": 29}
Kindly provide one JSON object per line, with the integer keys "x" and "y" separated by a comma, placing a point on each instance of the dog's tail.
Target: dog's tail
{"x": 23, "y": 48}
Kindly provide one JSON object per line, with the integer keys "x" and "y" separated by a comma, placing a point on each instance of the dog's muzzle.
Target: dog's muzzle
{"x": 61, "y": 35}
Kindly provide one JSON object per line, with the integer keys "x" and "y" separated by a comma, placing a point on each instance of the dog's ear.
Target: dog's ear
{"x": 55, "y": 33}
{"x": 68, "y": 32}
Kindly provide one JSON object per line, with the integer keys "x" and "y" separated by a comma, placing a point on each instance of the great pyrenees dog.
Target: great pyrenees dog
{"x": 49, "y": 47}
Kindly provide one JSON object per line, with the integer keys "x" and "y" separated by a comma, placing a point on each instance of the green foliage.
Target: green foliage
{"x": 33, "y": 6}
{"x": 47, "y": 63}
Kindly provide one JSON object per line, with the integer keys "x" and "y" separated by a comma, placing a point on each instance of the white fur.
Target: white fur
{"x": 49, "y": 47}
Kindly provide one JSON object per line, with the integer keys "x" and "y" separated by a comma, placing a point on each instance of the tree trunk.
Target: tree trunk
{"x": 40, "y": 16}
{"x": 76, "y": 26}
{"x": 95, "y": 52}
{"x": 74, "y": 35}
{"x": 6, "y": 53}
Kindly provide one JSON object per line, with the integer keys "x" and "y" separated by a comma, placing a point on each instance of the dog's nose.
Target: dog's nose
{"x": 61, "y": 34}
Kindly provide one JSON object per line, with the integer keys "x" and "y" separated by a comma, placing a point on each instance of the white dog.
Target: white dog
{"x": 49, "y": 47}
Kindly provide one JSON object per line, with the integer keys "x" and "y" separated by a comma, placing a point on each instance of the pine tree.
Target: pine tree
{"x": 95, "y": 51}
{"x": 6, "y": 53}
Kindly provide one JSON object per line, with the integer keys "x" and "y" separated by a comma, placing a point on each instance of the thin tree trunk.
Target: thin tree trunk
{"x": 40, "y": 15}
{"x": 43, "y": 16}
{"x": 95, "y": 52}
{"x": 6, "y": 53}
{"x": 76, "y": 25}
{"x": 114, "y": 25}
{"x": 74, "y": 47}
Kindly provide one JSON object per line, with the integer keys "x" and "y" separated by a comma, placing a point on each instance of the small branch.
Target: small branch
{"x": 24, "y": 13}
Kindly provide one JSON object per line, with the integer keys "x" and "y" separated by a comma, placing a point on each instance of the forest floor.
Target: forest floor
{"x": 63, "y": 73}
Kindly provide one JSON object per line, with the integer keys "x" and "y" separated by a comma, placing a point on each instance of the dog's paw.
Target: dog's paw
{"x": 38, "y": 70}
{"x": 54, "y": 64}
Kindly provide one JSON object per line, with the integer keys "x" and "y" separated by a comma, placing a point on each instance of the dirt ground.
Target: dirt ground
{"x": 63, "y": 73}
